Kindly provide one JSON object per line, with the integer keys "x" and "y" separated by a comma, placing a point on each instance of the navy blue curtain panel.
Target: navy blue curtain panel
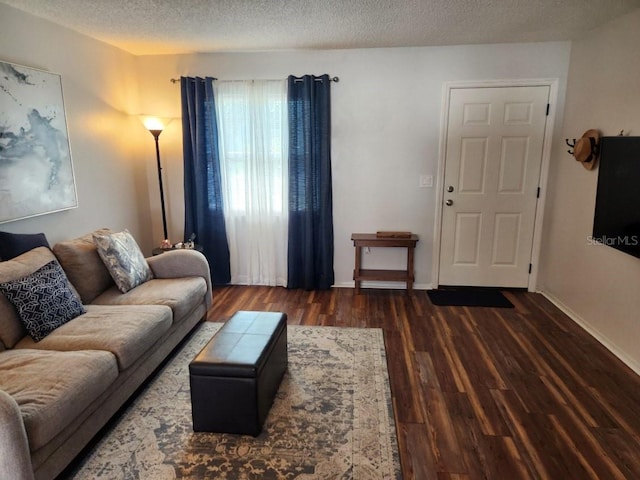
{"x": 310, "y": 250}
{"x": 204, "y": 214}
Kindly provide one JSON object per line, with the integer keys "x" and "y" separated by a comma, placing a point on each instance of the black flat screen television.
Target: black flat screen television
{"x": 616, "y": 222}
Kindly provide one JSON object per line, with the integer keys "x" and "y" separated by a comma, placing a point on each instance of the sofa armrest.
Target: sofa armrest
{"x": 15, "y": 459}
{"x": 182, "y": 263}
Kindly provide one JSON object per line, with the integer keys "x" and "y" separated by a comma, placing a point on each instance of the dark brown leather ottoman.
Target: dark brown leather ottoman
{"x": 235, "y": 377}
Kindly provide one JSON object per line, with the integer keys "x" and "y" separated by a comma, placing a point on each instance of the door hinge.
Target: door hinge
{"x": 530, "y": 267}
{"x": 548, "y": 108}
{"x": 538, "y": 193}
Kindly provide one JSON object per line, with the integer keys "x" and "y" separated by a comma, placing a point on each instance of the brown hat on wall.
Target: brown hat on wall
{"x": 587, "y": 148}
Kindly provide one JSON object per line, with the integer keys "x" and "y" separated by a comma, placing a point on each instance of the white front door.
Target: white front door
{"x": 492, "y": 170}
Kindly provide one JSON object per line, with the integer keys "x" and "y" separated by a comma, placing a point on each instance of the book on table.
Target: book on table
{"x": 392, "y": 234}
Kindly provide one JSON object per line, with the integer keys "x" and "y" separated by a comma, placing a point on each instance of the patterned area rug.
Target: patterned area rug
{"x": 332, "y": 418}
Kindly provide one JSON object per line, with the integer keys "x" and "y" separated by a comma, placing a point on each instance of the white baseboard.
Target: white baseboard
{"x": 594, "y": 332}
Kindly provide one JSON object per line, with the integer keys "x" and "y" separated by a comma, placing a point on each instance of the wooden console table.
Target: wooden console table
{"x": 361, "y": 240}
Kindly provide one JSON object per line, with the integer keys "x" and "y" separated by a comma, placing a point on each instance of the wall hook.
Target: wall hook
{"x": 572, "y": 145}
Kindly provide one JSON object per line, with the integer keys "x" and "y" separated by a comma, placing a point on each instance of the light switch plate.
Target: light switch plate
{"x": 426, "y": 181}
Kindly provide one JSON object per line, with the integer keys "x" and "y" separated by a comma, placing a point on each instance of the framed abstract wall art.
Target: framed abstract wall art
{"x": 36, "y": 172}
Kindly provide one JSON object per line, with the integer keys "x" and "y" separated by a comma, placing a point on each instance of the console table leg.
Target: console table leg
{"x": 356, "y": 271}
{"x": 410, "y": 269}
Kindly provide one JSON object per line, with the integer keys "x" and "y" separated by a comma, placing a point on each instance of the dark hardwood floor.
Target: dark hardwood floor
{"x": 483, "y": 393}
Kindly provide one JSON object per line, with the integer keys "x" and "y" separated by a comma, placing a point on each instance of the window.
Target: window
{"x": 252, "y": 122}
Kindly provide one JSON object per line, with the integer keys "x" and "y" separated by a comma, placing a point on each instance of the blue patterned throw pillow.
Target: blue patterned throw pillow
{"x": 123, "y": 258}
{"x": 44, "y": 300}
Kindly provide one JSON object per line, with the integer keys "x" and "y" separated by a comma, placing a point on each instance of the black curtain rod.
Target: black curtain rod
{"x": 331, "y": 79}
{"x": 177, "y": 80}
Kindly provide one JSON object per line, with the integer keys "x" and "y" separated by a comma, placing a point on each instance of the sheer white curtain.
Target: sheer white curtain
{"x": 252, "y": 122}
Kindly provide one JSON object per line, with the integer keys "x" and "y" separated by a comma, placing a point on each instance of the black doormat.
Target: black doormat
{"x": 469, "y": 297}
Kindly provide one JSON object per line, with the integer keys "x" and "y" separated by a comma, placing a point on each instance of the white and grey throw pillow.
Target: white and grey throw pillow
{"x": 43, "y": 299}
{"x": 123, "y": 258}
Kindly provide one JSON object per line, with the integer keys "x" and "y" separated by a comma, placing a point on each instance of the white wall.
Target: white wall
{"x": 100, "y": 92}
{"x": 386, "y": 114}
{"x": 597, "y": 285}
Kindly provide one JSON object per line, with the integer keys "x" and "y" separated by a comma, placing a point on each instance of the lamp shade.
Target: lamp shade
{"x": 153, "y": 123}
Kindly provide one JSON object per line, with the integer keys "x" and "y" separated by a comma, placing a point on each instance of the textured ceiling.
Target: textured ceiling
{"x": 186, "y": 26}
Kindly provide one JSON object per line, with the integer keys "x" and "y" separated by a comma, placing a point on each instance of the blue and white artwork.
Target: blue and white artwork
{"x": 36, "y": 173}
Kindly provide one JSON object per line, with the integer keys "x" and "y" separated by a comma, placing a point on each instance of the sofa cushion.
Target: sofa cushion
{"x": 181, "y": 294}
{"x": 52, "y": 388}
{"x": 14, "y": 244}
{"x": 123, "y": 258}
{"x": 11, "y": 328}
{"x": 127, "y": 332}
{"x": 84, "y": 267}
{"x": 44, "y": 299}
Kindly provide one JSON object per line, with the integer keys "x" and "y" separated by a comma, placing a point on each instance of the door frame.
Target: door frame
{"x": 553, "y": 84}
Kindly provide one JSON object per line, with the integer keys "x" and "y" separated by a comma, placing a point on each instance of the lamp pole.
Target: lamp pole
{"x": 156, "y": 134}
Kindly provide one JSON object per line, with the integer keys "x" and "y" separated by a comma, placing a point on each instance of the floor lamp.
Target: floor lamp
{"x": 155, "y": 126}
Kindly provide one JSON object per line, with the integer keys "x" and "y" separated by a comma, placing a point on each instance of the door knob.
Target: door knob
{"x": 450, "y": 188}
{"x": 449, "y": 202}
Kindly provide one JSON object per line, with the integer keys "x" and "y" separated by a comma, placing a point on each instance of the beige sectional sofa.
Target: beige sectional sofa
{"x": 57, "y": 393}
